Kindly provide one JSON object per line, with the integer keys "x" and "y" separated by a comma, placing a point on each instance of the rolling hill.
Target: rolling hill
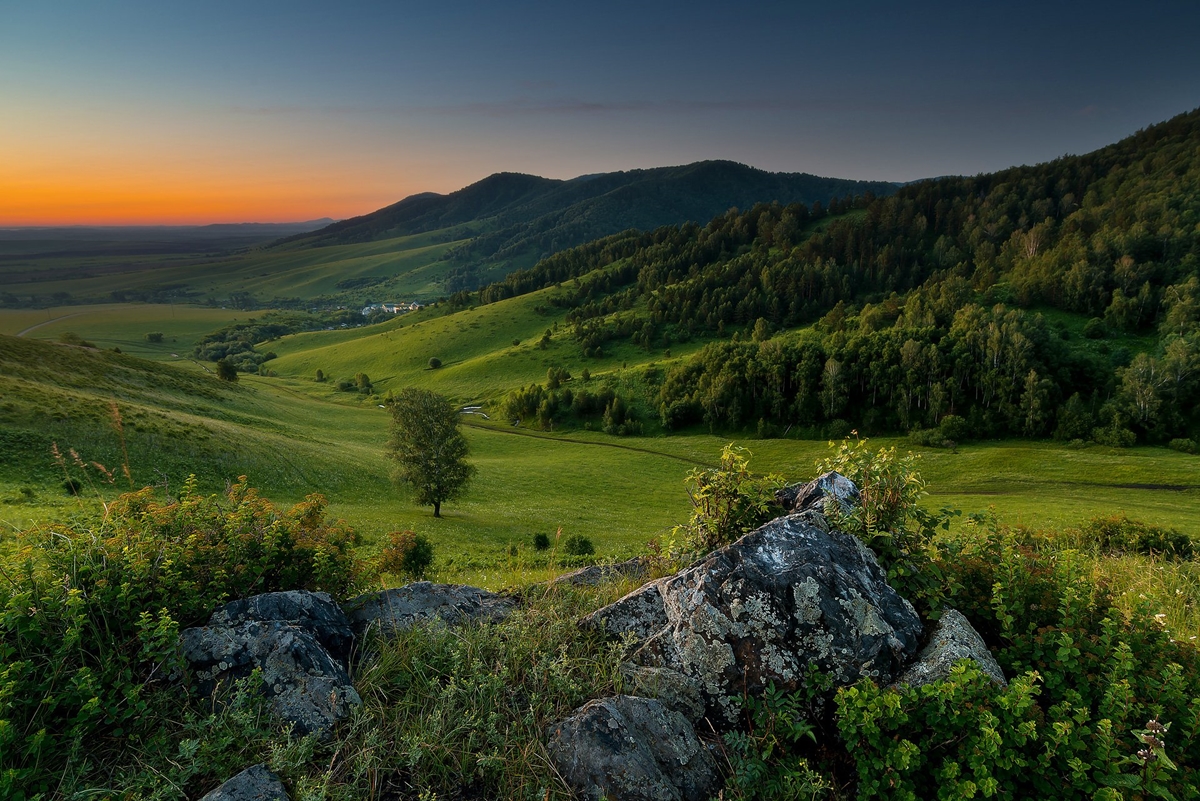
{"x": 422, "y": 247}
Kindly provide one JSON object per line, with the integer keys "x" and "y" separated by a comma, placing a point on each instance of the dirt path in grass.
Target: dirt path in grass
{"x": 39, "y": 325}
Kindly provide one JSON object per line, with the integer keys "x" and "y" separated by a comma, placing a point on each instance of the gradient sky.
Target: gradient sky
{"x": 127, "y": 112}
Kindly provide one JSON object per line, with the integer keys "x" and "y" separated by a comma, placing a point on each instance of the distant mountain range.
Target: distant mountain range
{"x": 525, "y": 217}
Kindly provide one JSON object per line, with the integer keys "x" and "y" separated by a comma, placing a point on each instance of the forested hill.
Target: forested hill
{"x": 927, "y": 300}
{"x": 522, "y": 212}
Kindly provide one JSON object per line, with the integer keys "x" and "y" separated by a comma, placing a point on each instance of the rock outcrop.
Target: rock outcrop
{"x": 592, "y": 575}
{"x": 255, "y": 783}
{"x": 314, "y": 612}
{"x": 283, "y": 635}
{"x": 953, "y": 639}
{"x": 669, "y": 687}
{"x": 832, "y": 485}
{"x": 762, "y": 610}
{"x": 390, "y": 611}
{"x": 632, "y": 749}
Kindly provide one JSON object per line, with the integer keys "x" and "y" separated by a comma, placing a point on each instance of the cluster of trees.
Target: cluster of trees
{"x": 1001, "y": 371}
{"x": 545, "y": 406}
{"x": 235, "y": 344}
{"x": 920, "y": 296}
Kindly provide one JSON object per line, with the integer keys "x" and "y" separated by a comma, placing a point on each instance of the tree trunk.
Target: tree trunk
{"x": 437, "y": 508}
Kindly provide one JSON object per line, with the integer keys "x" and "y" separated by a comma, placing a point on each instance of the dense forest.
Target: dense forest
{"x": 928, "y": 309}
{"x": 511, "y": 218}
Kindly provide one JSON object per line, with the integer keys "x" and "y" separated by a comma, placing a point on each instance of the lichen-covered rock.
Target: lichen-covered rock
{"x": 314, "y": 612}
{"x": 833, "y": 485}
{"x": 592, "y": 575}
{"x": 307, "y": 684}
{"x": 762, "y": 610}
{"x": 641, "y": 614}
{"x": 953, "y": 639}
{"x": 399, "y": 609}
{"x": 632, "y": 749}
{"x": 255, "y": 783}
{"x": 670, "y": 687}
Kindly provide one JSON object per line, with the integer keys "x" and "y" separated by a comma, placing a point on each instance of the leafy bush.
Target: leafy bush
{"x": 71, "y": 338}
{"x": 541, "y": 542}
{"x": 406, "y": 554}
{"x": 727, "y": 501}
{"x": 154, "y": 336}
{"x": 954, "y": 428}
{"x": 1114, "y": 436}
{"x": 778, "y": 725}
{"x": 578, "y": 545}
{"x": 226, "y": 370}
{"x": 888, "y": 519}
{"x": 1095, "y": 329}
{"x": 1087, "y": 686}
{"x": 90, "y": 617}
{"x": 1101, "y": 704}
{"x": 1119, "y": 534}
{"x": 1183, "y": 445}
{"x": 930, "y": 438}
{"x": 435, "y": 363}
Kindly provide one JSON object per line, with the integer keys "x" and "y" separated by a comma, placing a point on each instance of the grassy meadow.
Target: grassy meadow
{"x": 401, "y": 268}
{"x": 292, "y": 436}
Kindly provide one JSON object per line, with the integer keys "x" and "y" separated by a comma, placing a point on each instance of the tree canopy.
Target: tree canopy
{"x": 428, "y": 447}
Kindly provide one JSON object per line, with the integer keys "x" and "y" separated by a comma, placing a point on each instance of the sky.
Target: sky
{"x": 165, "y": 112}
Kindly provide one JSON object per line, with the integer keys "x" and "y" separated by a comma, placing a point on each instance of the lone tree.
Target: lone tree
{"x": 430, "y": 451}
{"x": 226, "y": 371}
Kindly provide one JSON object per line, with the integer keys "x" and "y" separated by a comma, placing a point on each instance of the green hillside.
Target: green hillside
{"x": 421, "y": 248}
{"x": 1060, "y": 299}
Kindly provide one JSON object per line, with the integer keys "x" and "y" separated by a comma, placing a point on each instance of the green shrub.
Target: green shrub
{"x": 435, "y": 363}
{"x": 778, "y": 724}
{"x": 888, "y": 518}
{"x": 578, "y": 545}
{"x": 955, "y": 428}
{"x": 90, "y": 617}
{"x": 1183, "y": 445}
{"x": 1119, "y": 534}
{"x": 930, "y": 438}
{"x": 541, "y": 542}
{"x": 406, "y": 554}
{"x": 1095, "y": 329}
{"x": 71, "y": 338}
{"x": 1114, "y": 436}
{"x": 1086, "y": 685}
{"x": 154, "y": 336}
{"x": 727, "y": 501}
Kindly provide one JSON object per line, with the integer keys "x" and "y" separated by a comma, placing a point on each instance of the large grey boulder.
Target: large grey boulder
{"x": 307, "y": 685}
{"x": 814, "y": 494}
{"x": 669, "y": 687}
{"x": 390, "y": 611}
{"x": 632, "y": 749}
{"x": 255, "y": 783}
{"x": 953, "y": 639}
{"x": 639, "y": 615}
{"x": 592, "y": 575}
{"x": 315, "y": 612}
{"x": 762, "y": 610}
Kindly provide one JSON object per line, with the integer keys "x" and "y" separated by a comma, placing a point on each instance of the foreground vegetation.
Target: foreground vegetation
{"x": 1100, "y": 705}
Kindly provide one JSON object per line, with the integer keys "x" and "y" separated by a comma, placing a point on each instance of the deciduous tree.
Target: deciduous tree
{"x": 428, "y": 447}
